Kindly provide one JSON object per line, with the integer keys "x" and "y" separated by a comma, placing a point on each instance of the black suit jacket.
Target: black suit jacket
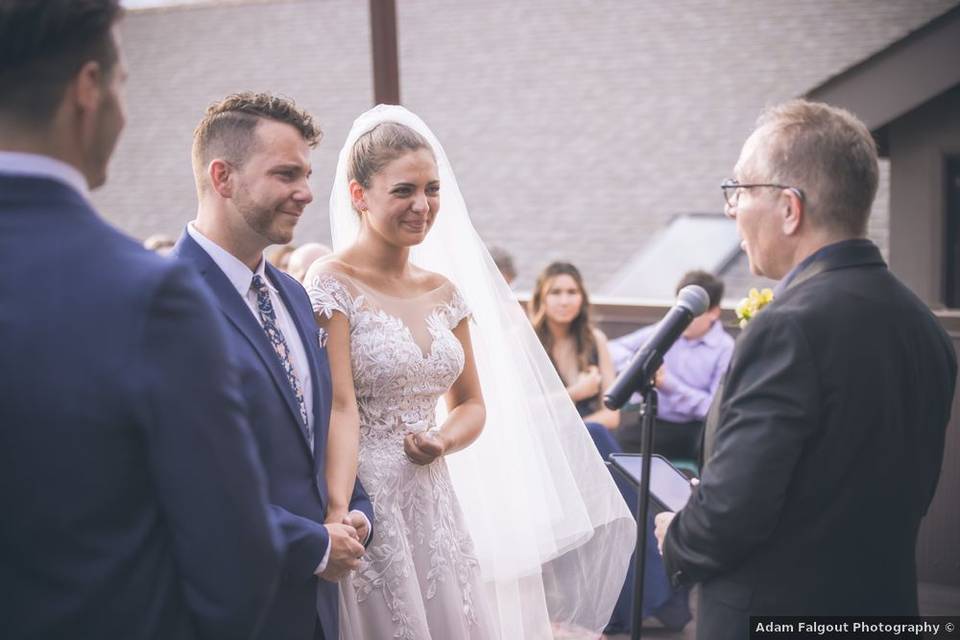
{"x": 822, "y": 453}
{"x": 132, "y": 502}
{"x": 295, "y": 473}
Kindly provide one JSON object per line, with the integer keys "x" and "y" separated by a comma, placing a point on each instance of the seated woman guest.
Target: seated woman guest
{"x": 560, "y": 313}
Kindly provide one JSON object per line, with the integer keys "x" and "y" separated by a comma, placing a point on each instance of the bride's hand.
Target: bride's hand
{"x": 423, "y": 448}
{"x": 335, "y": 515}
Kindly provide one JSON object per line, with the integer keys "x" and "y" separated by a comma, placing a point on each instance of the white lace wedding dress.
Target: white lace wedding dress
{"x": 420, "y": 578}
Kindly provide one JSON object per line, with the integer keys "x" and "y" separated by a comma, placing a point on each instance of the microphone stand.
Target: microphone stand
{"x": 692, "y": 301}
{"x": 648, "y": 414}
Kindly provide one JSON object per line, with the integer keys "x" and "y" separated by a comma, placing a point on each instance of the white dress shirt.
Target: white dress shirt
{"x": 241, "y": 277}
{"x": 17, "y": 163}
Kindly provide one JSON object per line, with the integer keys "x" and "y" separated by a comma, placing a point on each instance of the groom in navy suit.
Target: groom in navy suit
{"x": 251, "y": 159}
{"x": 132, "y": 504}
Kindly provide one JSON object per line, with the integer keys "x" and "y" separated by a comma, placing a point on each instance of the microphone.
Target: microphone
{"x": 692, "y": 301}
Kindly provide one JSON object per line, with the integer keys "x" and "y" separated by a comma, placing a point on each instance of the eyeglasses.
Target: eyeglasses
{"x": 731, "y": 190}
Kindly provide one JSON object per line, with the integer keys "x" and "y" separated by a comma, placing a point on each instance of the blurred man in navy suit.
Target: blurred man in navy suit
{"x": 251, "y": 161}
{"x": 134, "y": 505}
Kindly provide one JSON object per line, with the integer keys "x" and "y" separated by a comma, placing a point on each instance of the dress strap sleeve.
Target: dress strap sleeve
{"x": 457, "y": 308}
{"x": 328, "y": 293}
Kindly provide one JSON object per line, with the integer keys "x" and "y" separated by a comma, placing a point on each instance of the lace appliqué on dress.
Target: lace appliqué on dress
{"x": 456, "y": 309}
{"x": 327, "y": 294}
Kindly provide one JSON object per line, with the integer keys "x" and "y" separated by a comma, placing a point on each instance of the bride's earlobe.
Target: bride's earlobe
{"x": 356, "y": 197}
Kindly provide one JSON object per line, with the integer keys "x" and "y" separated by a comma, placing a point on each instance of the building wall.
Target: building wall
{"x": 878, "y": 227}
{"x": 938, "y": 554}
{"x": 919, "y": 143}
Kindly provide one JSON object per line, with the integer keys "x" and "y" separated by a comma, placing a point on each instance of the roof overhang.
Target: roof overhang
{"x": 900, "y": 78}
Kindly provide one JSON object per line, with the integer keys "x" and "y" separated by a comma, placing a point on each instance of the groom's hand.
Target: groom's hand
{"x": 345, "y": 551}
{"x": 423, "y": 448}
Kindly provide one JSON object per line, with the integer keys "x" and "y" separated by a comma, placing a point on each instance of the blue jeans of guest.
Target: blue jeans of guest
{"x": 658, "y": 596}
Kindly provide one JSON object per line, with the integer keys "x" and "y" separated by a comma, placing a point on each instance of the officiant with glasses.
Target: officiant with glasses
{"x": 824, "y": 443}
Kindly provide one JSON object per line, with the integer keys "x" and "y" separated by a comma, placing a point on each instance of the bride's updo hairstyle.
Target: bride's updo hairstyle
{"x": 380, "y": 146}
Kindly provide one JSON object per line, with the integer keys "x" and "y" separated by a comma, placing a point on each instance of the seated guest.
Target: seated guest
{"x": 504, "y": 261}
{"x": 689, "y": 377}
{"x": 159, "y": 243}
{"x": 303, "y": 256}
{"x": 280, "y": 256}
{"x": 560, "y": 312}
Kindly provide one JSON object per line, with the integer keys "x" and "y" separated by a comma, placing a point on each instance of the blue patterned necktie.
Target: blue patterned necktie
{"x": 279, "y": 343}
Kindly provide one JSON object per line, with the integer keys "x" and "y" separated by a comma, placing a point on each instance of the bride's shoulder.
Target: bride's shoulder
{"x": 331, "y": 267}
{"x": 442, "y": 287}
{"x": 330, "y": 263}
{"x": 330, "y": 275}
{"x": 430, "y": 280}
{"x": 447, "y": 293}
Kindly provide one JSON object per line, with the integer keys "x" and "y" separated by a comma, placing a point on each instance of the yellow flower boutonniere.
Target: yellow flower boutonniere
{"x": 752, "y": 304}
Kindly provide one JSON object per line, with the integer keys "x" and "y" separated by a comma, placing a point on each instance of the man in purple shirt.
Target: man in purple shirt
{"x": 689, "y": 377}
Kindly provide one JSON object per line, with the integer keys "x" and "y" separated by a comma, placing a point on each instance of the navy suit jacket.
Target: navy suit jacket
{"x": 295, "y": 474}
{"x": 133, "y": 504}
{"x": 823, "y": 449}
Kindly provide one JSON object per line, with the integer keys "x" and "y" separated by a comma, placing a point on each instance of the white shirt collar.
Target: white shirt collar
{"x": 237, "y": 272}
{"x": 19, "y": 163}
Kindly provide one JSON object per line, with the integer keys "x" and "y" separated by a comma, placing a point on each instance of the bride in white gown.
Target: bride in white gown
{"x": 521, "y": 531}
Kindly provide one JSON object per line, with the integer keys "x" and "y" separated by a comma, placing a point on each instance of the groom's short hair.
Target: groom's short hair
{"x": 43, "y": 44}
{"x": 228, "y": 129}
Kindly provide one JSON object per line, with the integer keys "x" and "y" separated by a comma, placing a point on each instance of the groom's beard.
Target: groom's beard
{"x": 264, "y": 219}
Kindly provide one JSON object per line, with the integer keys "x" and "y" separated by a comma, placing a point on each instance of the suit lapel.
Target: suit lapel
{"x": 238, "y": 313}
{"x": 710, "y": 425}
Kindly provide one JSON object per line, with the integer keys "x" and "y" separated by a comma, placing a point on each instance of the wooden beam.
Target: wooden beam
{"x": 386, "y": 66}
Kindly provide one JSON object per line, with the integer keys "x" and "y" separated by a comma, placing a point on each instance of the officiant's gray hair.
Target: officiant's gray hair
{"x": 830, "y": 154}
{"x": 380, "y": 146}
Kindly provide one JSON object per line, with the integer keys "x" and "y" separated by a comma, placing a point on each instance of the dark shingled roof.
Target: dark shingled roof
{"x": 577, "y": 128}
